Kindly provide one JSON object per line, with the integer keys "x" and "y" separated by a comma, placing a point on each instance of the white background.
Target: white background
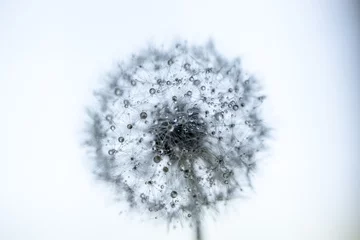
{"x": 54, "y": 53}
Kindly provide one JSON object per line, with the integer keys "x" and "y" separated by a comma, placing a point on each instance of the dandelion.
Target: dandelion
{"x": 177, "y": 131}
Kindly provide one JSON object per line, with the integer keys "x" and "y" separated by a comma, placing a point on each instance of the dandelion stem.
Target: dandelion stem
{"x": 198, "y": 230}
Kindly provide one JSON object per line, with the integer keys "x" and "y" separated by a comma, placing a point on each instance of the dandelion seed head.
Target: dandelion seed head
{"x": 177, "y": 130}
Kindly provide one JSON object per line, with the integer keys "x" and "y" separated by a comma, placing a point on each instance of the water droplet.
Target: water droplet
{"x": 111, "y": 151}
{"x": 197, "y": 82}
{"x": 235, "y": 107}
{"x": 133, "y": 82}
{"x": 230, "y": 90}
{"x": 142, "y": 195}
{"x": 189, "y": 93}
{"x": 121, "y": 139}
{"x": 191, "y": 78}
{"x": 242, "y": 104}
{"x": 160, "y": 82}
{"x": 171, "y": 128}
{"x": 143, "y": 115}
{"x": 168, "y": 83}
{"x": 219, "y": 116}
{"x": 108, "y": 118}
{"x": 170, "y": 61}
{"x": 162, "y": 186}
{"x": 157, "y": 159}
{"x": 247, "y": 82}
{"x": 189, "y": 215}
{"x": 152, "y": 91}
{"x": 129, "y": 126}
{"x": 203, "y": 88}
{"x": 112, "y": 127}
{"x": 118, "y": 92}
{"x": 182, "y": 167}
{"x": 187, "y": 66}
{"x": 226, "y": 175}
{"x": 173, "y": 194}
{"x": 165, "y": 169}
{"x": 174, "y": 98}
{"x": 226, "y": 182}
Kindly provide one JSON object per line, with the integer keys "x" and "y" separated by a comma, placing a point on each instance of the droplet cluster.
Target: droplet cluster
{"x": 177, "y": 130}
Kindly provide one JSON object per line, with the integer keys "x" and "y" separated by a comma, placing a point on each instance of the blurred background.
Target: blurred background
{"x": 53, "y": 54}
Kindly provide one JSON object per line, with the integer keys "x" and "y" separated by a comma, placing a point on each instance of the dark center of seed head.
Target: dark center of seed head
{"x": 178, "y": 132}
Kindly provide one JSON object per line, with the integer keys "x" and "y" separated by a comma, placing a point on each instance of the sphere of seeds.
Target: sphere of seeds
{"x": 177, "y": 130}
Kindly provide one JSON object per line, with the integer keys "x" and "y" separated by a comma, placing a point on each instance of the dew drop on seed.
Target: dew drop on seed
{"x": 189, "y": 93}
{"x": 162, "y": 186}
{"x": 152, "y": 91}
{"x": 143, "y": 115}
{"x": 165, "y": 169}
{"x": 173, "y": 194}
{"x": 111, "y": 151}
{"x": 133, "y": 82}
{"x": 174, "y": 98}
{"x": 187, "y": 66}
{"x": 235, "y": 107}
{"x": 197, "y": 82}
{"x": 157, "y": 159}
{"x": 203, "y": 88}
{"x": 117, "y": 91}
{"x": 170, "y": 61}
{"x": 108, "y": 118}
{"x": 219, "y": 116}
{"x": 189, "y": 215}
{"x": 121, "y": 139}
{"x": 171, "y": 128}
{"x": 160, "y": 82}
{"x": 112, "y": 128}
{"x": 129, "y": 126}
{"x": 168, "y": 82}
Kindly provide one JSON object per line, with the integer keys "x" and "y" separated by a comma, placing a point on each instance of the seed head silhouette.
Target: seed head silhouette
{"x": 177, "y": 131}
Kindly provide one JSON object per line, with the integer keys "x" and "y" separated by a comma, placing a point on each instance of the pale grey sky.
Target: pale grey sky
{"x": 54, "y": 53}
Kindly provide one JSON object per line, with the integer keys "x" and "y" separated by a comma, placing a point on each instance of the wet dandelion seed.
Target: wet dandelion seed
{"x": 195, "y": 128}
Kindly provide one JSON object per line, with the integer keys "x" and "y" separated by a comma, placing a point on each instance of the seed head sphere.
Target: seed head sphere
{"x": 176, "y": 131}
